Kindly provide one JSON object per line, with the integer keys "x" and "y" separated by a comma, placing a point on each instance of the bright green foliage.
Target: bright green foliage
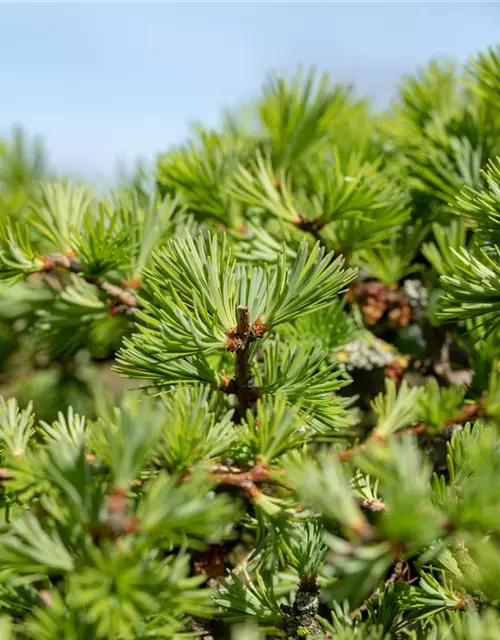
{"x": 395, "y": 409}
{"x": 22, "y": 163}
{"x": 322, "y": 485}
{"x": 297, "y": 115}
{"x": 328, "y": 328}
{"x": 17, "y": 258}
{"x": 485, "y": 73}
{"x": 303, "y": 304}
{"x": 195, "y": 291}
{"x": 353, "y": 206}
{"x": 391, "y": 263}
{"x": 473, "y": 289}
{"x": 194, "y": 430}
{"x": 437, "y": 404}
{"x": 198, "y": 175}
{"x": 447, "y": 240}
{"x": 482, "y": 207}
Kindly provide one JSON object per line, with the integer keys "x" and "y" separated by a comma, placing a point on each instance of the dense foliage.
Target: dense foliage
{"x": 258, "y": 395}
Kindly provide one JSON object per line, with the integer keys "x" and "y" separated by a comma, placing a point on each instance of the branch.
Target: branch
{"x": 372, "y": 504}
{"x": 302, "y": 620}
{"x": 238, "y": 340}
{"x": 242, "y": 364}
{"x": 246, "y": 480}
{"x": 467, "y": 413}
{"x": 118, "y": 521}
{"x": 125, "y": 301}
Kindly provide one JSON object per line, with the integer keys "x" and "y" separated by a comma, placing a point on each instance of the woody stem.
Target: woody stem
{"x": 72, "y": 264}
{"x": 242, "y": 363}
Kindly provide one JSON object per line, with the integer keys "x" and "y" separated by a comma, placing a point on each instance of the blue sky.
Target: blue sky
{"x": 111, "y": 82}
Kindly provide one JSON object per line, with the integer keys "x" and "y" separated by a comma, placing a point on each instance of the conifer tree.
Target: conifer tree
{"x": 304, "y": 314}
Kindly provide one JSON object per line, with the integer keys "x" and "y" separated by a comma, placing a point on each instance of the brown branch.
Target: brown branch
{"x": 132, "y": 284}
{"x": 118, "y": 521}
{"x": 372, "y": 504}
{"x": 245, "y": 480}
{"x": 5, "y": 475}
{"x": 61, "y": 261}
{"x": 124, "y": 301}
{"x": 46, "y": 597}
{"x": 242, "y": 364}
{"x": 113, "y": 291}
{"x": 347, "y": 454}
{"x": 229, "y": 387}
{"x": 248, "y": 479}
{"x": 363, "y": 530}
{"x": 238, "y": 341}
{"x": 469, "y": 412}
{"x": 414, "y": 431}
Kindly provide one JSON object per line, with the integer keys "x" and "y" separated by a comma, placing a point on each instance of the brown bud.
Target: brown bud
{"x": 132, "y": 284}
{"x": 259, "y": 328}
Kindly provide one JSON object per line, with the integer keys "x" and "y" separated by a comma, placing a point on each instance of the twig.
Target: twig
{"x": 302, "y": 614}
{"x": 113, "y": 291}
{"x": 242, "y": 364}
{"x": 467, "y": 413}
{"x": 245, "y": 480}
{"x": 238, "y": 341}
{"x": 347, "y": 454}
{"x": 372, "y": 504}
{"x": 125, "y": 301}
{"x": 118, "y": 522}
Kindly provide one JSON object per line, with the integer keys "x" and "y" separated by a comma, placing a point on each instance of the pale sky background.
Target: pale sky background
{"x": 110, "y": 82}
